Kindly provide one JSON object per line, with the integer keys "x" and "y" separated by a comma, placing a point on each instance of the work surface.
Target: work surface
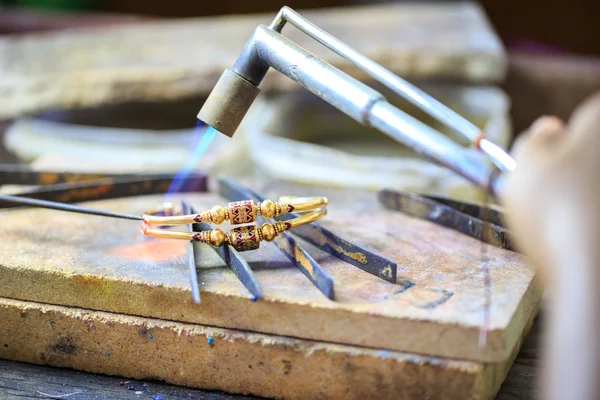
{"x": 437, "y": 303}
{"x": 129, "y": 311}
{"x": 21, "y": 381}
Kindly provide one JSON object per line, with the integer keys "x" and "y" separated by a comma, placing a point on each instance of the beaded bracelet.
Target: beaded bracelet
{"x": 242, "y": 238}
{"x": 241, "y": 212}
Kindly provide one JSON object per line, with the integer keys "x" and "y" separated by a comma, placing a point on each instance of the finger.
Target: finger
{"x": 586, "y": 118}
{"x": 543, "y": 133}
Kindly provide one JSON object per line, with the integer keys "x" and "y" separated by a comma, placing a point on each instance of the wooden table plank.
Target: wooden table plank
{"x": 522, "y": 378}
{"x": 21, "y": 381}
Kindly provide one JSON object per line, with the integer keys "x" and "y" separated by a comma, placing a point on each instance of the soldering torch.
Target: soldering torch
{"x": 267, "y": 48}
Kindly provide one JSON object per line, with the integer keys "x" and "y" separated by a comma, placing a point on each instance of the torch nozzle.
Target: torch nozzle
{"x": 228, "y": 103}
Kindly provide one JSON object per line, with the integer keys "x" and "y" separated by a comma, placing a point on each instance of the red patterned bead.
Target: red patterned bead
{"x": 242, "y": 212}
{"x": 245, "y": 238}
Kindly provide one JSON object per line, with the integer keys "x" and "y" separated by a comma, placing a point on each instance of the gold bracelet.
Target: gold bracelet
{"x": 242, "y": 238}
{"x": 240, "y": 212}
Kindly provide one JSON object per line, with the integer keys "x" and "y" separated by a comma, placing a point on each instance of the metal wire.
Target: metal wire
{"x": 66, "y": 207}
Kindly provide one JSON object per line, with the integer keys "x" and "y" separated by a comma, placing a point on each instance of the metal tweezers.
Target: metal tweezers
{"x": 482, "y": 223}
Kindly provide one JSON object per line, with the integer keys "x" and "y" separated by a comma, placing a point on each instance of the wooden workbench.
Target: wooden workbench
{"x": 72, "y": 331}
{"x": 20, "y": 381}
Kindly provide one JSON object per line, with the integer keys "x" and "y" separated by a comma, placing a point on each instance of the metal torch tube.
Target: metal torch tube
{"x": 410, "y": 92}
{"x": 332, "y": 85}
{"x": 364, "y": 104}
{"x": 428, "y": 142}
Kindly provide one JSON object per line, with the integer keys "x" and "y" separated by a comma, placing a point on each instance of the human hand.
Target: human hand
{"x": 553, "y": 208}
{"x": 553, "y": 197}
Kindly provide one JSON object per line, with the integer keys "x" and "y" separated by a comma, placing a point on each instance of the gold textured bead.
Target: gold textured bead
{"x": 205, "y": 237}
{"x": 205, "y": 216}
{"x": 267, "y": 208}
{"x": 279, "y": 227}
{"x": 217, "y": 237}
{"x": 217, "y": 214}
{"x": 268, "y": 232}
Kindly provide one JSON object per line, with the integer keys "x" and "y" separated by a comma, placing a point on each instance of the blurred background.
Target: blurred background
{"x": 505, "y": 63}
{"x": 543, "y": 25}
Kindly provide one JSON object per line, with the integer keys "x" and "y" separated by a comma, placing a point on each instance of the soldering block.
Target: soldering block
{"x": 231, "y": 360}
{"x": 436, "y": 307}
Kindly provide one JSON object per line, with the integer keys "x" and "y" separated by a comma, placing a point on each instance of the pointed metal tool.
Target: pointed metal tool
{"x": 234, "y": 191}
{"x": 462, "y": 217}
{"x": 324, "y": 239}
{"x": 186, "y": 208}
{"x": 341, "y": 248}
{"x": 109, "y": 188}
{"x": 234, "y": 261}
{"x": 58, "y": 196}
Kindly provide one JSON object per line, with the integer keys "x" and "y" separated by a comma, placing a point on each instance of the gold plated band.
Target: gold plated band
{"x": 240, "y": 212}
{"x": 242, "y": 238}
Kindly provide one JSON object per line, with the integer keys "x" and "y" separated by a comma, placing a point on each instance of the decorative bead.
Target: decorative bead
{"x": 245, "y": 238}
{"x": 280, "y": 227}
{"x": 203, "y": 237}
{"x": 218, "y": 214}
{"x": 217, "y": 237}
{"x": 268, "y": 232}
{"x": 205, "y": 216}
{"x": 267, "y": 209}
{"x": 241, "y": 212}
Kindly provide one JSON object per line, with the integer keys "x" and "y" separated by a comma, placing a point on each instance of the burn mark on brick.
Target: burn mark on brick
{"x": 287, "y": 367}
{"x": 64, "y": 346}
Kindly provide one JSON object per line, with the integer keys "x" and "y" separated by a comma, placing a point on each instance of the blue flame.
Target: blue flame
{"x": 201, "y": 140}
